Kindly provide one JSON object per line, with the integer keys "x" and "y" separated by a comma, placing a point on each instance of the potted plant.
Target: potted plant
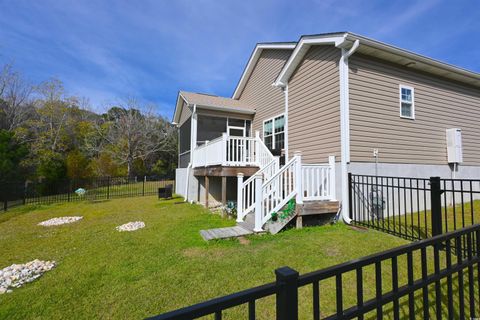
{"x": 274, "y": 216}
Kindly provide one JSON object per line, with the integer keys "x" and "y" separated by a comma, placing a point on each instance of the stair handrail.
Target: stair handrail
{"x": 262, "y": 153}
{"x": 246, "y": 191}
{"x": 276, "y": 191}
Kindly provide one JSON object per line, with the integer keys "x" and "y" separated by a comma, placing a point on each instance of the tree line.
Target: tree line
{"x": 47, "y": 134}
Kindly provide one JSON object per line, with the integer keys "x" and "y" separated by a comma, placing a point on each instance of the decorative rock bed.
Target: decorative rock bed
{"x": 59, "y": 221}
{"x": 16, "y": 275}
{"x": 131, "y": 226}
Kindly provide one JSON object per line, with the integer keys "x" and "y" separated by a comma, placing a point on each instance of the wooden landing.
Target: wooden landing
{"x": 225, "y": 171}
{"x": 224, "y": 233}
{"x": 318, "y": 207}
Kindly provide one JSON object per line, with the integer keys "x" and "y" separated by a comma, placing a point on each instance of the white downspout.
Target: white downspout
{"x": 193, "y": 145}
{"x": 345, "y": 127}
{"x": 285, "y": 91}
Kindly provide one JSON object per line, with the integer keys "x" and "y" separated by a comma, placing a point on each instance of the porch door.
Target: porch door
{"x": 236, "y": 131}
{"x": 237, "y": 147}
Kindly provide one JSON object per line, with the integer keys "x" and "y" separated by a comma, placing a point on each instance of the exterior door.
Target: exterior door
{"x": 236, "y": 131}
{"x": 237, "y": 149}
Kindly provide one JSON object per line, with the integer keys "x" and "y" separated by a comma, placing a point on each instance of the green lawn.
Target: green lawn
{"x": 419, "y": 224}
{"x": 104, "y": 192}
{"x": 103, "y": 273}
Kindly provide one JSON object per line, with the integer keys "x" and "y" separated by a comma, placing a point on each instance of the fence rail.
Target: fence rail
{"x": 431, "y": 278}
{"x": 413, "y": 208}
{"x": 21, "y": 193}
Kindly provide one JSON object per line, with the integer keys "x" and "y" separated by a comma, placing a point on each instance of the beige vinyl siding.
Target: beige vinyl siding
{"x": 185, "y": 115}
{"x": 439, "y": 104}
{"x": 314, "y": 106}
{"x": 268, "y": 100}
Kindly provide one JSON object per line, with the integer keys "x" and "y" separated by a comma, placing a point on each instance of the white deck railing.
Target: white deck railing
{"x": 319, "y": 180}
{"x": 268, "y": 195}
{"x": 233, "y": 151}
{"x": 278, "y": 190}
{"x": 246, "y": 189}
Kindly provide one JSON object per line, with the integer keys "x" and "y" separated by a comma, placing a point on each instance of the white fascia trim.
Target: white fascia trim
{"x": 297, "y": 55}
{"x": 176, "y": 114}
{"x": 414, "y": 56}
{"x": 252, "y": 62}
{"x": 226, "y": 109}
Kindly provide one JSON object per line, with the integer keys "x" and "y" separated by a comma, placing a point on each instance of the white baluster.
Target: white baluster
{"x": 298, "y": 175}
{"x": 331, "y": 162}
{"x": 225, "y": 148}
{"x": 258, "y": 203}
{"x": 240, "y": 197}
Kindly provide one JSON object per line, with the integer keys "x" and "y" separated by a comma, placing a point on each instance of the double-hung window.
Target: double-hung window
{"x": 274, "y": 133}
{"x": 407, "y": 106}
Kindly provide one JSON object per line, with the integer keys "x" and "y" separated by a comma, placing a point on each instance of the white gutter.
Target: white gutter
{"x": 345, "y": 125}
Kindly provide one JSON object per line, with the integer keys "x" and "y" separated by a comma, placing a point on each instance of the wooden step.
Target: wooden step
{"x": 224, "y": 233}
{"x": 246, "y": 225}
{"x": 318, "y": 207}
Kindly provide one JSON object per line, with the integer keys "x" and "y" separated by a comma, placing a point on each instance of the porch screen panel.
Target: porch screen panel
{"x": 209, "y": 128}
{"x": 184, "y": 136}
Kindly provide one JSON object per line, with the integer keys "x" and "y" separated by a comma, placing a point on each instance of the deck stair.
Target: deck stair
{"x": 275, "y": 227}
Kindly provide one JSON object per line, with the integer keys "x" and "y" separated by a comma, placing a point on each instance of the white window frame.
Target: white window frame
{"x": 412, "y": 117}
{"x": 273, "y": 128}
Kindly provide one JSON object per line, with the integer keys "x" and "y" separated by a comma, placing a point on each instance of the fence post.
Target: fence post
{"x": 436, "y": 205}
{"x": 143, "y": 187}
{"x": 24, "y": 193}
{"x": 5, "y": 205}
{"x": 69, "y": 190}
{"x": 239, "y": 197}
{"x": 287, "y": 296}
{"x": 350, "y": 195}
{"x": 108, "y": 188}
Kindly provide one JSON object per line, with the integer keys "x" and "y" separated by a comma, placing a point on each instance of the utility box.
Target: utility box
{"x": 454, "y": 145}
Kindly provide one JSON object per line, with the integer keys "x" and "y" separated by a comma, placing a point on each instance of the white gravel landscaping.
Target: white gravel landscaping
{"x": 16, "y": 275}
{"x": 59, "y": 221}
{"x": 131, "y": 226}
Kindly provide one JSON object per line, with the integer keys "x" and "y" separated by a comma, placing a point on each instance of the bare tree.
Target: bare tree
{"x": 52, "y": 111}
{"x": 128, "y": 134}
{"x": 15, "y": 96}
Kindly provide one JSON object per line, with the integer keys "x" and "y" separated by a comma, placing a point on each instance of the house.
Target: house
{"x": 346, "y": 103}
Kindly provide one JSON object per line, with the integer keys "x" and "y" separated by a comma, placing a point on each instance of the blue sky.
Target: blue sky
{"x": 109, "y": 50}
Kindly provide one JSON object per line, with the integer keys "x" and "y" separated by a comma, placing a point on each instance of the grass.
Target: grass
{"x": 102, "y": 273}
{"x": 418, "y": 225}
{"x": 104, "y": 192}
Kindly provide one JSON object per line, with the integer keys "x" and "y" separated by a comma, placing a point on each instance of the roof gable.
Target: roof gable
{"x": 257, "y": 52}
{"x": 376, "y": 49}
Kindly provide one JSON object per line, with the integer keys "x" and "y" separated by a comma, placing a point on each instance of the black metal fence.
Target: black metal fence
{"x": 413, "y": 208}
{"x": 47, "y": 192}
{"x": 425, "y": 279}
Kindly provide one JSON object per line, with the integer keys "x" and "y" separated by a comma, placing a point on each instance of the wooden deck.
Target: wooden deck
{"x": 224, "y": 233}
{"x": 225, "y": 171}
